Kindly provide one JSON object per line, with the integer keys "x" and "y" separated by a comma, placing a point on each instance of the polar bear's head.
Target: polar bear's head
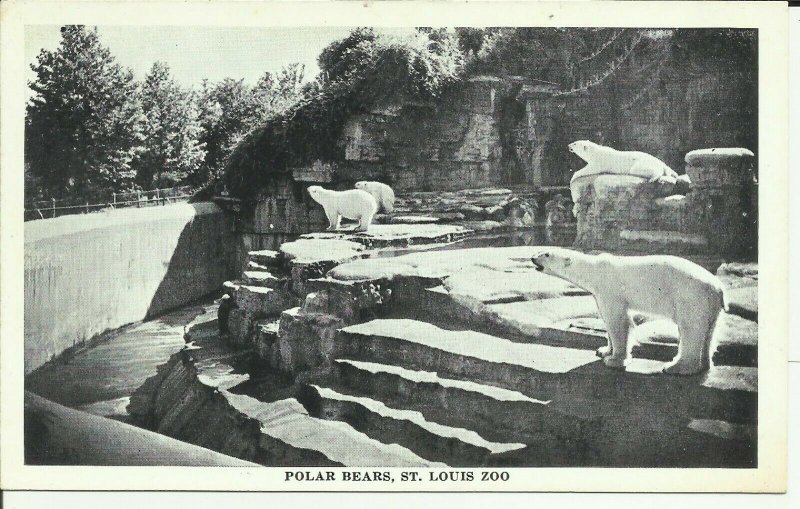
{"x": 361, "y": 184}
{"x": 583, "y": 149}
{"x": 315, "y": 192}
{"x": 553, "y": 261}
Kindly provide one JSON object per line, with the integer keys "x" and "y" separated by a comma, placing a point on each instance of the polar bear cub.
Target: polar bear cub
{"x": 606, "y": 160}
{"x": 667, "y": 286}
{"x": 351, "y": 204}
{"x": 382, "y": 193}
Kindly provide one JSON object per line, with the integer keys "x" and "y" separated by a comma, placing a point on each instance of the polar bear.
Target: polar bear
{"x": 606, "y": 160}
{"x": 382, "y": 193}
{"x": 667, "y": 286}
{"x": 351, "y": 204}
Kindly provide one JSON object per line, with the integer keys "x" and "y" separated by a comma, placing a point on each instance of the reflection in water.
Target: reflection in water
{"x": 537, "y": 236}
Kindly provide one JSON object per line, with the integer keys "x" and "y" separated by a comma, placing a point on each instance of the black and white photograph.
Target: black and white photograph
{"x": 410, "y": 256}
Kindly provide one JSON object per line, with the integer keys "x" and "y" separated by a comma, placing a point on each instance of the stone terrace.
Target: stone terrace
{"x": 331, "y": 352}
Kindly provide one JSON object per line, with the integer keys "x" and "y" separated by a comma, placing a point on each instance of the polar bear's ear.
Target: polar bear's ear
{"x": 567, "y": 261}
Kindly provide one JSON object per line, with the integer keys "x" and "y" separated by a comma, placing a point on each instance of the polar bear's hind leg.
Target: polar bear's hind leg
{"x": 695, "y": 327}
{"x": 364, "y": 221}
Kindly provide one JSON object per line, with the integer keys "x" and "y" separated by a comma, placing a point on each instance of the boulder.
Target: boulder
{"x": 261, "y": 301}
{"x": 473, "y": 212}
{"x": 495, "y": 213}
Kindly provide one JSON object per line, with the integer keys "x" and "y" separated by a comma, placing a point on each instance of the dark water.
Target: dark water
{"x": 535, "y": 236}
{"x": 532, "y": 236}
{"x": 540, "y": 235}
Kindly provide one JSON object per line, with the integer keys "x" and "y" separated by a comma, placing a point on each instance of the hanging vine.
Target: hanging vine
{"x": 611, "y": 68}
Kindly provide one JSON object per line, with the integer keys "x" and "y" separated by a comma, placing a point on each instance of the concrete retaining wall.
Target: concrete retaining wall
{"x": 91, "y": 273}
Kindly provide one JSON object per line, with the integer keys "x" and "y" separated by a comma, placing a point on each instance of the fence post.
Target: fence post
{"x": 114, "y": 205}
{"x": 87, "y": 207}
{"x": 138, "y": 199}
{"x": 157, "y": 198}
{"x": 54, "y": 206}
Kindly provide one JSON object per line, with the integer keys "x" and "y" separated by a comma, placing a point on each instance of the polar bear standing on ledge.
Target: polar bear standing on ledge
{"x": 606, "y": 160}
{"x": 382, "y": 193}
{"x": 668, "y": 286}
{"x": 351, "y": 204}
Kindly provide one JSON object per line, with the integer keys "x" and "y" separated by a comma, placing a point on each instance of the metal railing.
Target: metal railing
{"x": 45, "y": 209}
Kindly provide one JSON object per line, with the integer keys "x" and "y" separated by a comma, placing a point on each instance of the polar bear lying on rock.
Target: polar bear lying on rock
{"x": 351, "y": 204}
{"x": 382, "y": 193}
{"x": 601, "y": 160}
{"x": 667, "y": 286}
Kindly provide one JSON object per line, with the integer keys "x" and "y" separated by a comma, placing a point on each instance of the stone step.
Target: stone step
{"x": 408, "y": 428}
{"x": 466, "y": 355}
{"x": 573, "y": 321}
{"x": 286, "y": 423}
{"x": 256, "y": 266}
{"x": 575, "y": 380}
{"x": 205, "y": 395}
{"x": 262, "y": 301}
{"x": 495, "y": 413}
{"x": 265, "y": 258}
{"x": 230, "y": 287}
{"x": 262, "y": 278}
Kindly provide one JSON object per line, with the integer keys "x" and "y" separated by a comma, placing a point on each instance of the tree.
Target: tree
{"x": 226, "y": 109}
{"x": 173, "y": 152}
{"x": 84, "y": 123}
{"x": 275, "y": 92}
{"x": 230, "y": 109}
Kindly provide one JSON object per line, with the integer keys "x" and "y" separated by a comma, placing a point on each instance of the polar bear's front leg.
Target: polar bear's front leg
{"x": 615, "y": 314}
{"x": 333, "y": 218}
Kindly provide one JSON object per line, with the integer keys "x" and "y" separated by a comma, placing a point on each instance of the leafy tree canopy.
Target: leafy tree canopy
{"x": 84, "y": 123}
{"x": 172, "y": 148}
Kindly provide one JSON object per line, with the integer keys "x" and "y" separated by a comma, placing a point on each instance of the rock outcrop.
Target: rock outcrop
{"x": 718, "y": 214}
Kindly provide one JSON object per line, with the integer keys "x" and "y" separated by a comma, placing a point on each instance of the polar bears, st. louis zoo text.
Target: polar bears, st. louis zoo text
{"x": 667, "y": 286}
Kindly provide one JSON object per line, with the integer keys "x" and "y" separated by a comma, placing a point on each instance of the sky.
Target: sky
{"x": 194, "y": 53}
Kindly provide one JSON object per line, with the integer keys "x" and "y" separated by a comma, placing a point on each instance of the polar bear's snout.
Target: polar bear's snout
{"x": 553, "y": 261}
{"x": 540, "y": 260}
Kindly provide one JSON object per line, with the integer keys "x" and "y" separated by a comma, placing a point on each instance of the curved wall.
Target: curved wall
{"x": 90, "y": 273}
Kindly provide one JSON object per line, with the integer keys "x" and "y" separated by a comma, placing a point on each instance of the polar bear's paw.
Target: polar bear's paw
{"x": 604, "y": 351}
{"x": 614, "y": 362}
{"x": 681, "y": 368}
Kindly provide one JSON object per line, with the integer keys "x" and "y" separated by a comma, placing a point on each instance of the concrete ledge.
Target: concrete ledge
{"x": 57, "y": 435}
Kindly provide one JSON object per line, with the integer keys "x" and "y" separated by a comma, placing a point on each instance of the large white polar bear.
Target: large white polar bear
{"x": 601, "y": 160}
{"x": 382, "y": 193}
{"x": 667, "y": 286}
{"x": 351, "y": 204}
